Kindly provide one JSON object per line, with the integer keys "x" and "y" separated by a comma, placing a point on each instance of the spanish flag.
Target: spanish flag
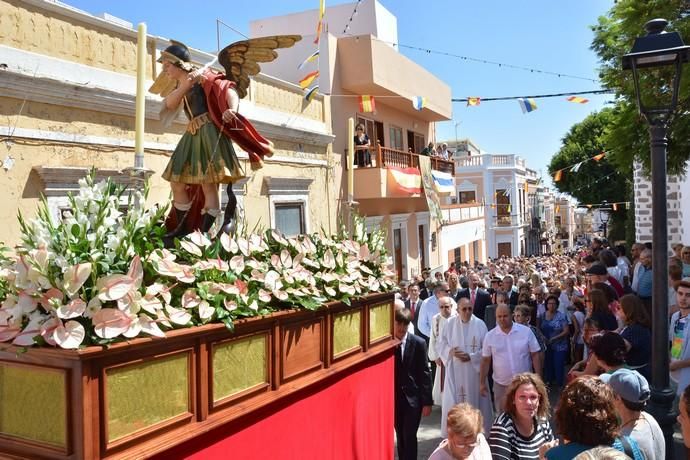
{"x": 407, "y": 180}
{"x": 473, "y": 101}
{"x": 308, "y": 79}
{"x": 367, "y": 104}
{"x": 577, "y": 100}
{"x": 599, "y": 157}
{"x": 558, "y": 176}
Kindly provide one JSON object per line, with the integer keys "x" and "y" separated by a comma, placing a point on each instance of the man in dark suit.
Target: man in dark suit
{"x": 479, "y": 298}
{"x": 511, "y": 295}
{"x": 413, "y": 303}
{"x": 412, "y": 386}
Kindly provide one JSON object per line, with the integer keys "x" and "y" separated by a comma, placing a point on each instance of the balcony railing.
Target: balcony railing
{"x": 511, "y": 220}
{"x": 486, "y": 160}
{"x": 391, "y": 157}
{"x": 457, "y": 213}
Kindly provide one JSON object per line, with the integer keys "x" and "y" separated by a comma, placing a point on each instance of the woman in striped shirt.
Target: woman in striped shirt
{"x": 520, "y": 431}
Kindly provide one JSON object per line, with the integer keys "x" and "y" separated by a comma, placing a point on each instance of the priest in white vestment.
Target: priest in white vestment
{"x": 460, "y": 349}
{"x": 438, "y": 323}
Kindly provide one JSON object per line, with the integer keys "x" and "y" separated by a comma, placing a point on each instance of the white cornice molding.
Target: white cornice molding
{"x": 48, "y": 80}
{"x": 287, "y": 185}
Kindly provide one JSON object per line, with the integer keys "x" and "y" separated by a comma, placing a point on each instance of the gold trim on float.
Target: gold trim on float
{"x": 141, "y": 395}
{"x": 346, "y": 332}
{"x": 379, "y": 321}
{"x": 239, "y": 365}
{"x": 34, "y": 403}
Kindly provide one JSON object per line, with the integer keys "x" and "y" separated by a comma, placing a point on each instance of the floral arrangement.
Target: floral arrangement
{"x": 102, "y": 275}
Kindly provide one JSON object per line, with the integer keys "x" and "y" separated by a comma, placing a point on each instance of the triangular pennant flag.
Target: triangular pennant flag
{"x": 558, "y": 208}
{"x": 615, "y": 206}
{"x": 367, "y": 104}
{"x": 311, "y": 93}
{"x": 311, "y": 58}
{"x": 473, "y": 101}
{"x": 577, "y": 99}
{"x": 589, "y": 206}
{"x": 558, "y": 175}
{"x": 599, "y": 157}
{"x": 509, "y": 208}
{"x": 308, "y": 79}
{"x": 526, "y": 188}
{"x": 576, "y": 167}
{"x": 527, "y": 105}
{"x": 506, "y": 192}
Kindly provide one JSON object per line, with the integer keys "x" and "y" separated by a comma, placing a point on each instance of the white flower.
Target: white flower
{"x": 69, "y": 336}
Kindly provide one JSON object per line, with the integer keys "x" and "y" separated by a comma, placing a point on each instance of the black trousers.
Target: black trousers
{"x": 406, "y": 425}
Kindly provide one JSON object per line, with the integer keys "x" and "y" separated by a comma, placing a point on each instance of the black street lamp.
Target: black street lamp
{"x": 656, "y": 62}
{"x": 604, "y": 216}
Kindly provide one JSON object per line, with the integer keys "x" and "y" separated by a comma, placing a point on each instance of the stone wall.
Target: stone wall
{"x": 642, "y": 188}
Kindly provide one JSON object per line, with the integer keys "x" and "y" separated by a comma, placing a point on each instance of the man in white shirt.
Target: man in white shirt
{"x": 631, "y": 395}
{"x": 510, "y": 349}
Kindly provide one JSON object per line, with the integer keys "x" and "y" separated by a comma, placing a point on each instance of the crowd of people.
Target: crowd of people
{"x": 498, "y": 335}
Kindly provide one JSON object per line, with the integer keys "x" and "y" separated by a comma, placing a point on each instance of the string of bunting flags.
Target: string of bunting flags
{"x": 558, "y": 175}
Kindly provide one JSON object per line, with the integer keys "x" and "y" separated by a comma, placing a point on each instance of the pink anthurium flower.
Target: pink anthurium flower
{"x": 33, "y": 329}
{"x": 110, "y": 322}
{"x": 199, "y": 239}
{"x": 178, "y": 316}
{"x": 190, "y": 299}
{"x": 230, "y": 305}
{"x": 278, "y": 237}
{"x": 73, "y": 309}
{"x": 229, "y": 244}
{"x": 206, "y": 311}
{"x": 52, "y": 293}
{"x": 237, "y": 264}
{"x": 328, "y": 259}
{"x": 69, "y": 336}
{"x": 264, "y": 296}
{"x": 27, "y": 302}
{"x": 191, "y": 248}
{"x": 48, "y": 328}
{"x": 75, "y": 277}
{"x": 150, "y": 327}
{"x": 285, "y": 258}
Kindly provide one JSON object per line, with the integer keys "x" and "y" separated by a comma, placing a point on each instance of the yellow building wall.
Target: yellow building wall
{"x": 86, "y": 40}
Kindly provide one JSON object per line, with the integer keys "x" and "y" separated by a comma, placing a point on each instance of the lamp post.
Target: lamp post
{"x": 604, "y": 216}
{"x": 656, "y": 62}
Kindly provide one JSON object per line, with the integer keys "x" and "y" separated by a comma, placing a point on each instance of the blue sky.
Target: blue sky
{"x": 542, "y": 34}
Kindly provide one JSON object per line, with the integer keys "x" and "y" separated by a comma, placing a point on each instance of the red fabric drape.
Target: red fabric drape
{"x": 347, "y": 418}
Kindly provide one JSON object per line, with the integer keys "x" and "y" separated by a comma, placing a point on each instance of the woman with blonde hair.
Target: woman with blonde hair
{"x": 465, "y": 439}
{"x": 523, "y": 429}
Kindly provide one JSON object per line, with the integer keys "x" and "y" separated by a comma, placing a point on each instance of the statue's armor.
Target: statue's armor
{"x": 195, "y": 102}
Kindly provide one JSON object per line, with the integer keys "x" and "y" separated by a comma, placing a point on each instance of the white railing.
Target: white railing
{"x": 461, "y": 213}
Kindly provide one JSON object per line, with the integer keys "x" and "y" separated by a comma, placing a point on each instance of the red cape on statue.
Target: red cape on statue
{"x": 240, "y": 131}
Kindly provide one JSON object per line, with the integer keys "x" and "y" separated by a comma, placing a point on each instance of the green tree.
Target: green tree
{"x": 627, "y": 138}
{"x": 594, "y": 181}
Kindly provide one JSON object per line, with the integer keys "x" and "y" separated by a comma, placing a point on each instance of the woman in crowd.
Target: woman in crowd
{"x": 636, "y": 333}
{"x": 579, "y": 314}
{"x": 586, "y": 418}
{"x": 609, "y": 259}
{"x": 598, "y": 309}
{"x": 554, "y": 326}
{"x": 520, "y": 432}
{"x": 588, "y": 365}
{"x": 465, "y": 439}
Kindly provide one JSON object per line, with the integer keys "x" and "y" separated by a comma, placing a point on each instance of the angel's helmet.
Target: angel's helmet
{"x": 178, "y": 55}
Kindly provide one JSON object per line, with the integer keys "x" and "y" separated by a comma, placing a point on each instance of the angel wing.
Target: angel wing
{"x": 241, "y": 59}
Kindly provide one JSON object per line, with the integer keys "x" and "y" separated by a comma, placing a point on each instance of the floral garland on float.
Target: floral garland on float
{"x": 101, "y": 275}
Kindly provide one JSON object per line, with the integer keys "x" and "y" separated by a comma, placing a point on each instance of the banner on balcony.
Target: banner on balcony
{"x": 432, "y": 199}
{"x": 443, "y": 182}
{"x": 406, "y": 179}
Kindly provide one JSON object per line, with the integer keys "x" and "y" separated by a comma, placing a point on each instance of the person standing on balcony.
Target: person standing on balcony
{"x": 428, "y": 150}
{"x": 362, "y": 144}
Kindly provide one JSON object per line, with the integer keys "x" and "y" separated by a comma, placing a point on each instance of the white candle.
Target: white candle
{"x": 350, "y": 160}
{"x": 141, "y": 97}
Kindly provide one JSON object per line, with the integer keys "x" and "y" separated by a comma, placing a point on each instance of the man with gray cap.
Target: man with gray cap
{"x": 632, "y": 393}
